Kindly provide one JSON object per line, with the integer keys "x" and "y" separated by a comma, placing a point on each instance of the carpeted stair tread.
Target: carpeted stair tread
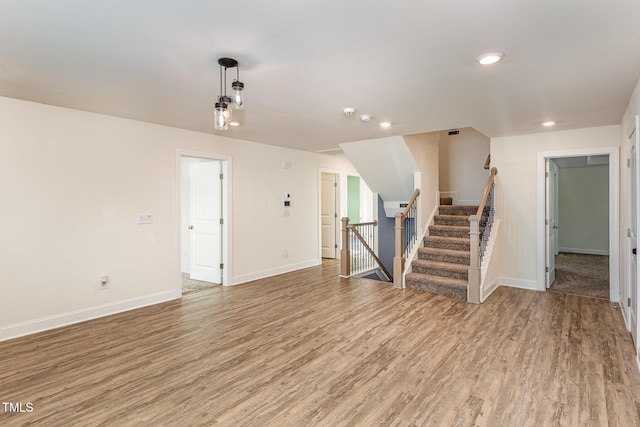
{"x": 442, "y": 266}
{"x": 444, "y": 255}
{"x": 436, "y": 284}
{"x": 457, "y": 210}
{"x": 449, "y": 231}
{"x": 455, "y": 243}
{"x": 443, "y": 269}
{"x": 455, "y": 220}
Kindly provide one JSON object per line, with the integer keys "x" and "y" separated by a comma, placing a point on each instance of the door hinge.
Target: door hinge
{"x": 546, "y": 222}
{"x": 335, "y": 215}
{"x": 336, "y": 246}
{"x": 546, "y": 269}
{"x": 221, "y": 266}
{"x": 628, "y": 302}
{"x": 335, "y": 184}
{"x": 221, "y": 176}
{"x": 628, "y": 163}
{"x": 546, "y": 174}
{"x": 221, "y": 221}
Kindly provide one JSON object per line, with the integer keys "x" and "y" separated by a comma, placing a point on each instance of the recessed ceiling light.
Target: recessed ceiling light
{"x": 349, "y": 111}
{"x": 365, "y": 117}
{"x": 385, "y": 124}
{"x": 490, "y": 58}
{"x": 234, "y": 124}
{"x": 548, "y": 124}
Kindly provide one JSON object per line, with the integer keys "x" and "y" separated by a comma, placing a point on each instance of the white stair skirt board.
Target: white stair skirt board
{"x": 486, "y": 290}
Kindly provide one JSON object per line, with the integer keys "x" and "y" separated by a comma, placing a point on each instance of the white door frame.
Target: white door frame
{"x": 338, "y": 210}
{"x": 225, "y": 161}
{"x": 614, "y": 214}
{"x": 632, "y": 132}
{"x": 551, "y": 209}
{"x": 329, "y": 220}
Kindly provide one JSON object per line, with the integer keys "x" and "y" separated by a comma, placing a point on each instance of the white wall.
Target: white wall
{"x": 73, "y": 184}
{"x": 424, "y": 148}
{"x": 516, "y": 192}
{"x": 462, "y": 159}
{"x": 583, "y": 205}
{"x": 386, "y": 165}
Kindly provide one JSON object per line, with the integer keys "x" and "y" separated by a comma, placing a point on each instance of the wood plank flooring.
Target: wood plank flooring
{"x": 308, "y": 348}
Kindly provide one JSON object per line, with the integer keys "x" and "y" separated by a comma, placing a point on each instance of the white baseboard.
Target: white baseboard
{"x": 244, "y": 278}
{"x": 489, "y": 289}
{"x": 51, "y": 322}
{"x": 585, "y": 251}
{"x": 512, "y": 282}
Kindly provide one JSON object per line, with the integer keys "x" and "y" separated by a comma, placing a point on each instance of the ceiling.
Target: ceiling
{"x": 409, "y": 62}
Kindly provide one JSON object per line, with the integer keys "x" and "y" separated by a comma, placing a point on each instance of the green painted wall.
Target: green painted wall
{"x": 353, "y": 199}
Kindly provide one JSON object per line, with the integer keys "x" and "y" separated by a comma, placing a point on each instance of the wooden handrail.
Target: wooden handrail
{"x": 374, "y": 223}
{"x": 494, "y": 172}
{"x": 413, "y": 199}
{"x": 487, "y": 163}
{"x": 398, "y": 259}
{"x": 475, "y": 274}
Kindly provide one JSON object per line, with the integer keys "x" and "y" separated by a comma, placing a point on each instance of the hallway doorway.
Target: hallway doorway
{"x": 578, "y": 215}
{"x": 203, "y": 227}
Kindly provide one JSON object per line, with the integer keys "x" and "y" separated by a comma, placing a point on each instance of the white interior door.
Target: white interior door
{"x": 634, "y": 210}
{"x": 551, "y": 221}
{"x": 206, "y": 212}
{"x": 329, "y": 215}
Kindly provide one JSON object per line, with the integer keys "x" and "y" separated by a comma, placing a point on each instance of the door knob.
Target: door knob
{"x": 191, "y": 227}
{"x": 634, "y": 251}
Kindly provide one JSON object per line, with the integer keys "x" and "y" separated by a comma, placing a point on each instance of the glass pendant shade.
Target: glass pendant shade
{"x": 222, "y": 111}
{"x": 221, "y": 116}
{"x": 238, "y": 100}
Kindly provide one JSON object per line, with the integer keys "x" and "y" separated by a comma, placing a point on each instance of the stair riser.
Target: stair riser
{"x": 436, "y": 288}
{"x": 446, "y": 200}
{"x": 464, "y": 234}
{"x": 440, "y": 257}
{"x": 442, "y": 272}
{"x": 457, "y": 210}
{"x": 447, "y": 244}
{"x": 456, "y": 221}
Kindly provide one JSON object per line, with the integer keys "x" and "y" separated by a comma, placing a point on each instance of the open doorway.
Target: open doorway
{"x": 578, "y": 222}
{"x": 202, "y": 229}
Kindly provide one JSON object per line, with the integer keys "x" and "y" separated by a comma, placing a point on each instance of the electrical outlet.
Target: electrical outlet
{"x": 145, "y": 219}
{"x": 104, "y": 283}
{"x": 285, "y": 254}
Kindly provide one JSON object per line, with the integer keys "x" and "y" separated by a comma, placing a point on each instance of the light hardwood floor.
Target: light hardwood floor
{"x": 308, "y": 348}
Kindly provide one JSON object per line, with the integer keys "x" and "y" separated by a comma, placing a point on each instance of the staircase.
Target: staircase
{"x": 443, "y": 263}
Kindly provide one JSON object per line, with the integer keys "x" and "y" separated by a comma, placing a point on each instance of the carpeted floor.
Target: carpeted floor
{"x": 189, "y": 286}
{"x": 580, "y": 274}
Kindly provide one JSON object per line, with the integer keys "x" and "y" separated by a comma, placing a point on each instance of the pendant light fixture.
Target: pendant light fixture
{"x": 222, "y": 112}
